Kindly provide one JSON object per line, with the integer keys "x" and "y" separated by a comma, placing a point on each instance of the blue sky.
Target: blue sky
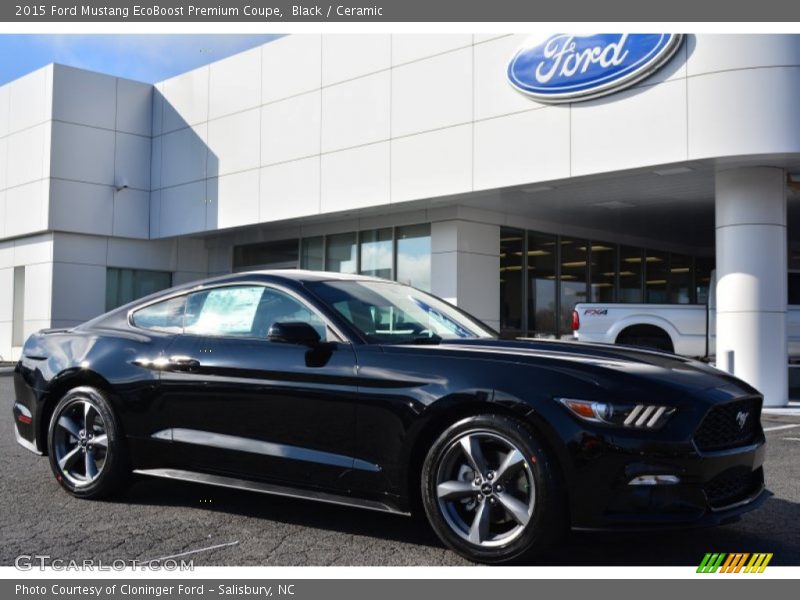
{"x": 148, "y": 58}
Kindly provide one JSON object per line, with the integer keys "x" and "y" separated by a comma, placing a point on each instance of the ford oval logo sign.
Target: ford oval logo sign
{"x": 566, "y": 67}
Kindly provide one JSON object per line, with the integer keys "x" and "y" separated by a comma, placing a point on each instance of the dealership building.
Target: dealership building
{"x": 413, "y": 157}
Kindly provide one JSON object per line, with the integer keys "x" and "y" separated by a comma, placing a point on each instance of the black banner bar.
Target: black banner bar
{"x": 440, "y": 11}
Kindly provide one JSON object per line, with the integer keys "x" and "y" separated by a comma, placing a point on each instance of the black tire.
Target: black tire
{"x": 546, "y": 504}
{"x": 646, "y": 336}
{"x": 111, "y": 461}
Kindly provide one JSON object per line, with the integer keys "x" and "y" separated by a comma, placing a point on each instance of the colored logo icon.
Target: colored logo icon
{"x": 566, "y": 68}
{"x": 736, "y": 562}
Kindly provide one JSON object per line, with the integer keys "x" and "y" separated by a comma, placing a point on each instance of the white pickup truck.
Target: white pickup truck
{"x": 686, "y": 329}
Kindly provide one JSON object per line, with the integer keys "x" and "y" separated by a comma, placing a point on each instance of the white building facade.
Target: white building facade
{"x": 412, "y": 157}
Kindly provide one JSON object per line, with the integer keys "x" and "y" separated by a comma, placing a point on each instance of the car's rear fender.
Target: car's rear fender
{"x": 55, "y": 361}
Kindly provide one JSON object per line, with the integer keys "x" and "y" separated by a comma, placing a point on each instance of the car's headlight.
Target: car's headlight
{"x": 631, "y": 416}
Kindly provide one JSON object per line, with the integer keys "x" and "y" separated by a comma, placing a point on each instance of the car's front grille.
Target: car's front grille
{"x": 730, "y": 425}
{"x": 733, "y": 485}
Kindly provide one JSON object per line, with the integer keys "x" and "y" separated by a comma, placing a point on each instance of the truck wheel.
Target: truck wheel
{"x": 646, "y": 336}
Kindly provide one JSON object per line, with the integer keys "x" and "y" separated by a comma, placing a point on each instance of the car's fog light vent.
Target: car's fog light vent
{"x": 733, "y": 485}
{"x": 655, "y": 480}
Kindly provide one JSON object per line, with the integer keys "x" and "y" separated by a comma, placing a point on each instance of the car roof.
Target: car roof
{"x": 303, "y": 275}
{"x": 298, "y": 275}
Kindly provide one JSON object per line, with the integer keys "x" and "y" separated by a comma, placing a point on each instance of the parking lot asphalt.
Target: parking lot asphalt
{"x": 215, "y": 526}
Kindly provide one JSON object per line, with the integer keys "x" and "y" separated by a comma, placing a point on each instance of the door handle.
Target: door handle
{"x": 182, "y": 363}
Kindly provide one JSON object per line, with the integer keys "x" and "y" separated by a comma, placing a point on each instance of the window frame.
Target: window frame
{"x": 337, "y": 331}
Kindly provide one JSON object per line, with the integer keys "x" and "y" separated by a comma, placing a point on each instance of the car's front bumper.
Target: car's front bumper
{"x": 707, "y": 519}
{"x": 711, "y": 488}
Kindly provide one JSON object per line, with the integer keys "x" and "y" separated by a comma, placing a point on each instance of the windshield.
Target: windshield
{"x": 397, "y": 314}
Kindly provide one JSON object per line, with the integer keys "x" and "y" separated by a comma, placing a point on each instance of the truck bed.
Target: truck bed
{"x": 685, "y": 325}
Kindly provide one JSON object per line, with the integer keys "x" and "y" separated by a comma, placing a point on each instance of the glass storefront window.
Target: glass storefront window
{"x": 794, "y": 288}
{"x": 512, "y": 243}
{"x": 127, "y": 285}
{"x": 679, "y": 287}
{"x": 341, "y": 253}
{"x": 603, "y": 272}
{"x": 794, "y": 256}
{"x": 656, "y": 274}
{"x": 630, "y": 274}
{"x": 311, "y": 254}
{"x": 794, "y": 273}
{"x": 562, "y": 271}
{"x": 572, "y": 287}
{"x": 376, "y": 253}
{"x": 702, "y": 278}
{"x": 18, "y": 308}
{"x": 413, "y": 251}
{"x": 542, "y": 284}
{"x": 281, "y": 254}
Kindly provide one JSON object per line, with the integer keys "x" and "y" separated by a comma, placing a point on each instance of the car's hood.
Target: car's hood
{"x": 599, "y": 361}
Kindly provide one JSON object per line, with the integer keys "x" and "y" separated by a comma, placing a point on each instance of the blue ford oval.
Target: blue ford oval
{"x": 567, "y": 67}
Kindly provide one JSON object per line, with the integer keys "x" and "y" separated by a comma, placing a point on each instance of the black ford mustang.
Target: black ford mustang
{"x": 364, "y": 392}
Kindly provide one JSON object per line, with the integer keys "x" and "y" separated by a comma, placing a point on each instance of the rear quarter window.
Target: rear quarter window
{"x": 166, "y": 316}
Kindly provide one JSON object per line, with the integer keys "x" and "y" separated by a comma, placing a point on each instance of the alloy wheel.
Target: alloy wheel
{"x": 80, "y": 443}
{"x": 485, "y": 488}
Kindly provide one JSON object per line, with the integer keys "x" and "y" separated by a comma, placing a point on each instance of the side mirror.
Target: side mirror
{"x": 293, "y": 332}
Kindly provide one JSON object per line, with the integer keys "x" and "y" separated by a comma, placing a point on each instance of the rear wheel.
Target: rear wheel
{"x": 85, "y": 446}
{"x": 489, "y": 490}
{"x": 646, "y": 336}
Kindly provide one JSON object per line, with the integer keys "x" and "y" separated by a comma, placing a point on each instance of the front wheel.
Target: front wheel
{"x": 85, "y": 445}
{"x": 490, "y": 491}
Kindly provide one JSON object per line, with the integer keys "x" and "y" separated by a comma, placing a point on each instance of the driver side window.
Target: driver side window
{"x": 278, "y": 307}
{"x": 228, "y": 311}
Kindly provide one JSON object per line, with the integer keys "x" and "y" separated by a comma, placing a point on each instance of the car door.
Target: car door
{"x": 243, "y": 405}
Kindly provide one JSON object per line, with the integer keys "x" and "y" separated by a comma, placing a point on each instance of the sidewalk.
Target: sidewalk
{"x": 792, "y": 410}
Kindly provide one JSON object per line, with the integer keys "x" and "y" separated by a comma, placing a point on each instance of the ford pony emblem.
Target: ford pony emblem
{"x": 741, "y": 418}
{"x": 565, "y": 67}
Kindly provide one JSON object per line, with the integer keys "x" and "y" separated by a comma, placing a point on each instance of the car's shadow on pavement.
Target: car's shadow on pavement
{"x": 755, "y": 532}
{"x": 773, "y": 528}
{"x": 294, "y": 511}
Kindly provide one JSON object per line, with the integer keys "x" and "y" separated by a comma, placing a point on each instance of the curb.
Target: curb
{"x": 6, "y": 371}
